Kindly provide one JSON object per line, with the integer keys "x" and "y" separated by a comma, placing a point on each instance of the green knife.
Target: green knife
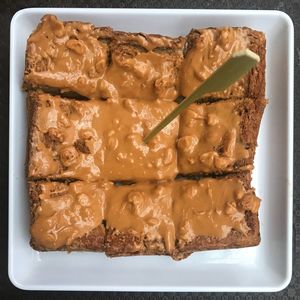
{"x": 239, "y": 64}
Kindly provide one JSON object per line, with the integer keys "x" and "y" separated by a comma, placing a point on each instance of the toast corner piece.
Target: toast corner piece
{"x": 206, "y": 49}
{"x": 67, "y": 216}
{"x": 194, "y": 233}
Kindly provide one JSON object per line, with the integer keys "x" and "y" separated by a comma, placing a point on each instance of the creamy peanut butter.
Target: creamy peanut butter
{"x": 75, "y": 56}
{"x": 96, "y": 139}
{"x": 144, "y": 210}
{"x": 66, "y": 212}
{"x": 210, "y": 138}
{"x": 209, "y": 50}
{"x": 67, "y": 56}
{"x": 211, "y": 208}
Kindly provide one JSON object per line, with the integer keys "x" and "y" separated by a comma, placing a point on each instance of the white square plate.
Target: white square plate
{"x": 267, "y": 267}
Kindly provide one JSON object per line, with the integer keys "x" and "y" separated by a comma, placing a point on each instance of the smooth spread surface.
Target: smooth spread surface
{"x": 101, "y": 139}
{"x": 209, "y": 137}
{"x": 66, "y": 212}
{"x": 144, "y": 210}
{"x": 74, "y": 56}
{"x": 210, "y": 48}
{"x": 211, "y": 208}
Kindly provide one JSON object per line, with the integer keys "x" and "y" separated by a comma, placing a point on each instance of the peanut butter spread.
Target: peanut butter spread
{"x": 210, "y": 138}
{"x": 211, "y": 208}
{"x": 144, "y": 210}
{"x": 209, "y": 50}
{"x": 66, "y": 212}
{"x": 74, "y": 56}
{"x": 96, "y": 139}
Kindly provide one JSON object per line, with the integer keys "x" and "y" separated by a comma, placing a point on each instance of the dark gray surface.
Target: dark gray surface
{"x": 7, "y": 10}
